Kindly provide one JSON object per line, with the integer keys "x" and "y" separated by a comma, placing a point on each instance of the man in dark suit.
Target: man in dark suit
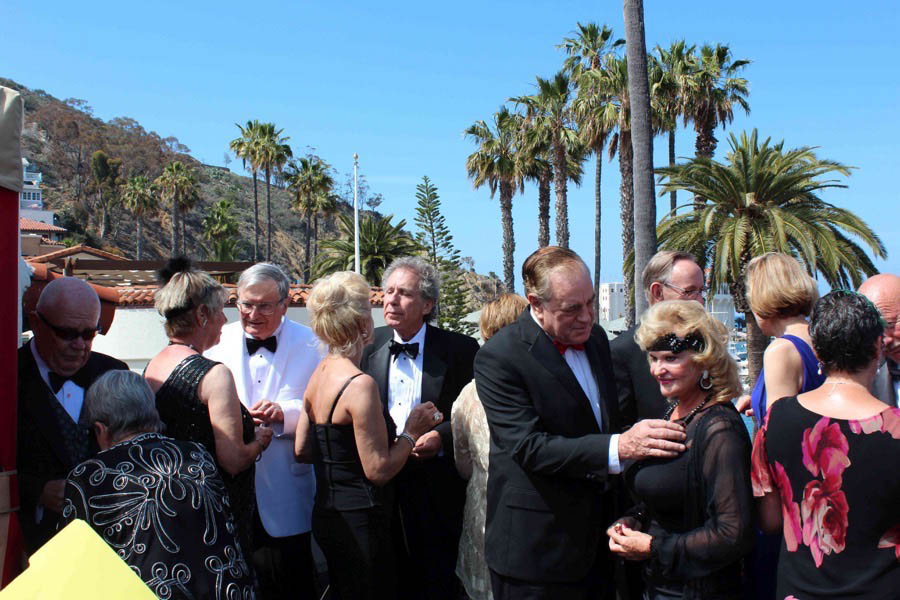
{"x": 670, "y": 275}
{"x": 414, "y": 362}
{"x": 884, "y": 292}
{"x": 55, "y": 369}
{"x": 547, "y": 387}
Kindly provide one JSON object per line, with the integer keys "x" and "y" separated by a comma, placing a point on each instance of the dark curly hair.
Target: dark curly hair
{"x": 846, "y": 329}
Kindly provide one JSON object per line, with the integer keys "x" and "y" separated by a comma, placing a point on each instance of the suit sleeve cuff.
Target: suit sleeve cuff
{"x": 614, "y": 467}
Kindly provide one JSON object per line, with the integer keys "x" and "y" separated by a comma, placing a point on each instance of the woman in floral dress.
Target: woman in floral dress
{"x": 825, "y": 467}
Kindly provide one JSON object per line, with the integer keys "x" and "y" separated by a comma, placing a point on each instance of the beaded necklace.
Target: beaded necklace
{"x": 690, "y": 415}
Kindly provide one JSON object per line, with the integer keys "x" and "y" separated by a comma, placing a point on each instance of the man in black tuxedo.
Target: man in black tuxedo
{"x": 670, "y": 275}
{"x": 55, "y": 369}
{"x": 547, "y": 387}
{"x": 414, "y": 362}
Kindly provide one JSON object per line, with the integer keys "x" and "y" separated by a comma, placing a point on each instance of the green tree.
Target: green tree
{"x": 105, "y": 171}
{"x": 585, "y": 52}
{"x": 220, "y": 229}
{"x": 551, "y": 109}
{"x": 495, "y": 164}
{"x": 434, "y": 236}
{"x": 310, "y": 181}
{"x": 272, "y": 154}
{"x": 380, "y": 242}
{"x": 245, "y": 148}
{"x": 764, "y": 198}
{"x": 669, "y": 92}
{"x": 180, "y": 191}
{"x": 642, "y": 142}
{"x": 139, "y": 197}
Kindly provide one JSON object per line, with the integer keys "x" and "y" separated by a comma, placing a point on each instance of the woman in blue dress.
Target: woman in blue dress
{"x": 781, "y": 295}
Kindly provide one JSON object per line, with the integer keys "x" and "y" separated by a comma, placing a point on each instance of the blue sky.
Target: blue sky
{"x": 398, "y": 82}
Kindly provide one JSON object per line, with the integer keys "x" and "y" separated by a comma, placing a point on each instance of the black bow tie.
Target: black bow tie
{"x": 81, "y": 378}
{"x": 270, "y": 344}
{"x": 411, "y": 350}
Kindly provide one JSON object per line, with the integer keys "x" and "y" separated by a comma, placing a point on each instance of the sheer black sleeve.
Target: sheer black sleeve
{"x": 722, "y": 504}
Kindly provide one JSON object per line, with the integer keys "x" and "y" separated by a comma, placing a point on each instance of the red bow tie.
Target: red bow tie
{"x": 563, "y": 347}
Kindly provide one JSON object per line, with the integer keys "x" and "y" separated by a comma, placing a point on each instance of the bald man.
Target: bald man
{"x": 55, "y": 369}
{"x": 884, "y": 292}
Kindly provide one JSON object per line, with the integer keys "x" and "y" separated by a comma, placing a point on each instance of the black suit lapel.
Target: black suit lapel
{"x": 434, "y": 367}
{"x": 546, "y": 354}
{"x": 36, "y": 398}
{"x": 379, "y": 368}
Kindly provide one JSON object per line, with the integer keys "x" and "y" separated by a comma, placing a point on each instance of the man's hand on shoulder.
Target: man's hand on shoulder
{"x": 652, "y": 437}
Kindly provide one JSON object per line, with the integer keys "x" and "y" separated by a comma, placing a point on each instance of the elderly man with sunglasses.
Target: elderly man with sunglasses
{"x": 55, "y": 369}
{"x": 271, "y": 359}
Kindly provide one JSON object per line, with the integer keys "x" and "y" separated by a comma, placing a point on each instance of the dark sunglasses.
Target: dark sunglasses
{"x": 67, "y": 333}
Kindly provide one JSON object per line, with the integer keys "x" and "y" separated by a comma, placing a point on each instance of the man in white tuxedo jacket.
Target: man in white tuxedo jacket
{"x": 272, "y": 359}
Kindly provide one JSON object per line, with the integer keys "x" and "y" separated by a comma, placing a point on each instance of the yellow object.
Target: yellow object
{"x": 76, "y": 564}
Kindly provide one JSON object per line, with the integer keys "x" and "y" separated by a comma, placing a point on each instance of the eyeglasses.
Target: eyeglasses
{"x": 263, "y": 308}
{"x": 687, "y": 293}
{"x": 67, "y": 333}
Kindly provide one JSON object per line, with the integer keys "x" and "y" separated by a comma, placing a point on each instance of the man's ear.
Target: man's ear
{"x": 656, "y": 289}
{"x": 535, "y": 303}
{"x": 101, "y": 432}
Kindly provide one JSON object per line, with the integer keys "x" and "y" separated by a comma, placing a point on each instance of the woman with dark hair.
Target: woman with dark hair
{"x": 196, "y": 397}
{"x": 825, "y": 466}
{"x": 693, "y": 523}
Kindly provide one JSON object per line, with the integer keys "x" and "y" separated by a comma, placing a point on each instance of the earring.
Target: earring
{"x": 819, "y": 371}
{"x": 203, "y": 323}
{"x": 705, "y": 381}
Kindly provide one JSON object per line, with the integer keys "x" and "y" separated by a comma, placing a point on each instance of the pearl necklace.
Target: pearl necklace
{"x": 690, "y": 415}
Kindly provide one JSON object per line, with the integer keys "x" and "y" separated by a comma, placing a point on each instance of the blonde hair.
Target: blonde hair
{"x": 684, "y": 317}
{"x": 338, "y": 306}
{"x": 779, "y": 287}
{"x": 659, "y": 269}
{"x": 537, "y": 268}
{"x": 499, "y": 313}
{"x": 185, "y": 292}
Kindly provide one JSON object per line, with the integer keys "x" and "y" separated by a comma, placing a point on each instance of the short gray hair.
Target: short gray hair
{"x": 429, "y": 278}
{"x": 660, "y": 267}
{"x": 262, "y": 272}
{"x": 123, "y": 402}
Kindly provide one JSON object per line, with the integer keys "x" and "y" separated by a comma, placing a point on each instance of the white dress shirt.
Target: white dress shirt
{"x": 259, "y": 363}
{"x": 70, "y": 395}
{"x": 405, "y": 380}
{"x": 581, "y": 369}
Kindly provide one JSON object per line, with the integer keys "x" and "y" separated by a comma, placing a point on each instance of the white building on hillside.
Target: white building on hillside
{"x": 721, "y": 306}
{"x": 31, "y": 200}
{"x": 612, "y": 301}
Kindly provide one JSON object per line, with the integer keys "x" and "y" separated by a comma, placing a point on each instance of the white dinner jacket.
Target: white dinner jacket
{"x": 285, "y": 489}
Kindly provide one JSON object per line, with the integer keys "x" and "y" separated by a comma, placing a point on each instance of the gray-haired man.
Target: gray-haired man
{"x": 414, "y": 362}
{"x": 272, "y": 359}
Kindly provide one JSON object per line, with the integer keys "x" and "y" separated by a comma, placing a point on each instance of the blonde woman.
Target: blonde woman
{"x": 471, "y": 444}
{"x": 195, "y": 396}
{"x": 781, "y": 295}
{"x": 693, "y": 523}
{"x": 345, "y": 431}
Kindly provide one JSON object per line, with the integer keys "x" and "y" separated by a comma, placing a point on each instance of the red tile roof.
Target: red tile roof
{"x": 32, "y": 225}
{"x": 72, "y": 250}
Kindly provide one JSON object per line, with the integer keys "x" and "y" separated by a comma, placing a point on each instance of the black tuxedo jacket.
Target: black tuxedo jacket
{"x": 639, "y": 395}
{"x": 41, "y": 454}
{"x": 549, "y": 496}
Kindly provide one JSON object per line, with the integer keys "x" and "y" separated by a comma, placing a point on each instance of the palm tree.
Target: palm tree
{"x": 668, "y": 94}
{"x": 272, "y": 153}
{"x": 611, "y": 82}
{"x": 309, "y": 180}
{"x": 762, "y": 199}
{"x": 139, "y": 197}
{"x": 326, "y": 205}
{"x": 496, "y": 164}
{"x": 551, "y": 109}
{"x": 179, "y": 189}
{"x": 713, "y": 91}
{"x": 380, "y": 242}
{"x": 585, "y": 53}
{"x": 245, "y": 148}
{"x": 220, "y": 229}
{"x": 642, "y": 140}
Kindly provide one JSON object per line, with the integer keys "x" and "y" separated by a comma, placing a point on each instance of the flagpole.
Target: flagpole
{"x": 355, "y": 213}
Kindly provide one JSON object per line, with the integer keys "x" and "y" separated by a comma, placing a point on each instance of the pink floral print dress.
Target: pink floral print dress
{"x": 839, "y": 485}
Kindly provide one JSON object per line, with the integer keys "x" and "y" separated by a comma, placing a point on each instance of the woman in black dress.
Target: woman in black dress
{"x": 693, "y": 523}
{"x": 346, "y": 432}
{"x": 196, "y": 397}
{"x": 825, "y": 466}
{"x": 159, "y": 503}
